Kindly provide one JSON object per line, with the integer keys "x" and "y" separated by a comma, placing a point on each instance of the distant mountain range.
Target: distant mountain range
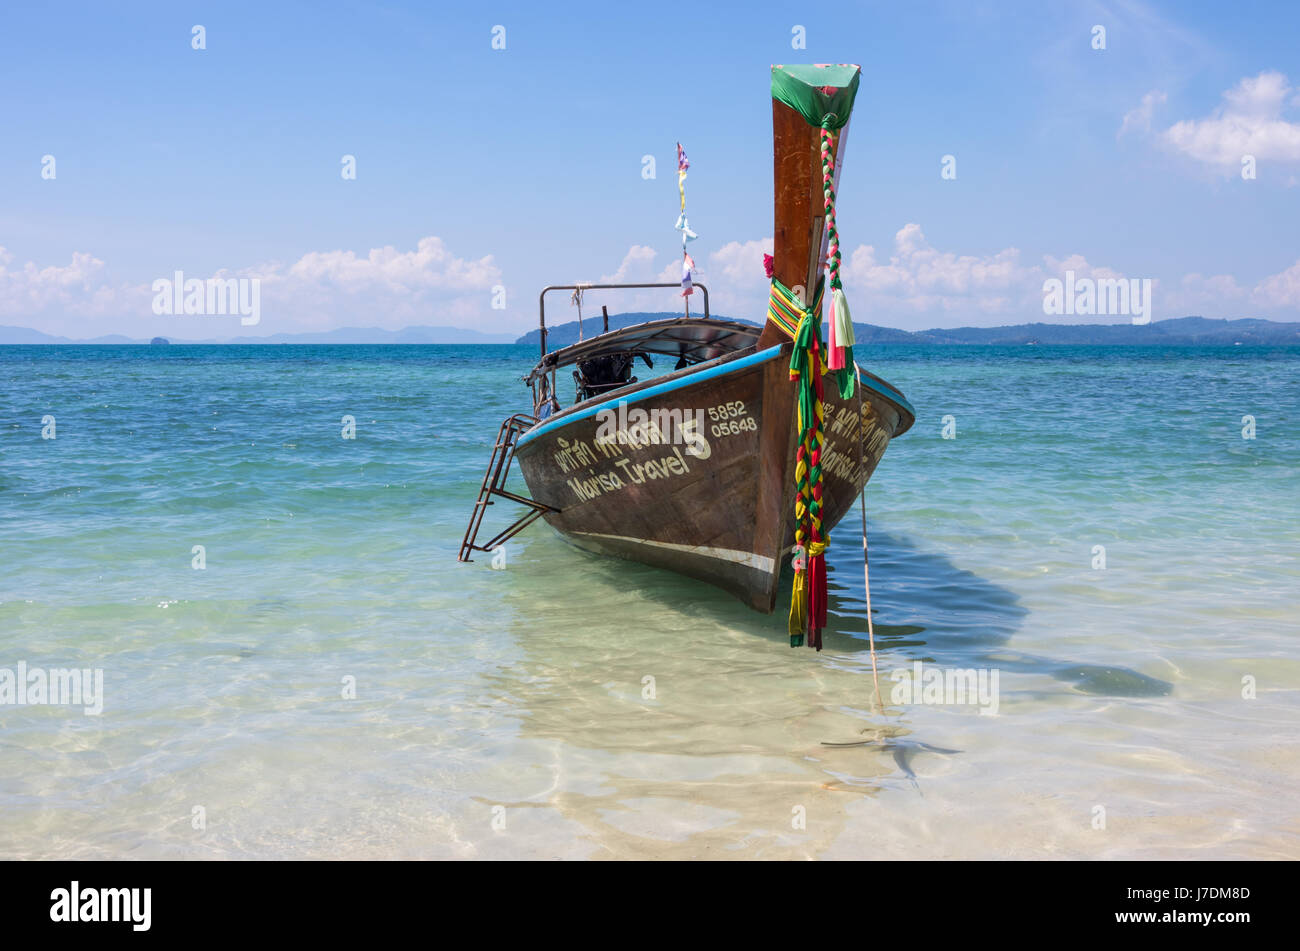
{"x": 1179, "y": 331}
{"x": 21, "y": 335}
{"x": 24, "y": 335}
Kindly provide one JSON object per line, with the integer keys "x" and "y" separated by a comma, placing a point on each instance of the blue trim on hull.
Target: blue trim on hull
{"x": 690, "y": 379}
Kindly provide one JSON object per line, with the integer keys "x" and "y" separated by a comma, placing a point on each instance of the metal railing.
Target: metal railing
{"x": 541, "y": 299}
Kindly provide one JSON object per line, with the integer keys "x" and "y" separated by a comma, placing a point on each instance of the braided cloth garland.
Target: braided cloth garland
{"x": 808, "y": 597}
{"x": 832, "y": 256}
{"x": 786, "y": 310}
{"x": 841, "y": 324}
{"x": 807, "y": 366}
{"x": 828, "y": 199}
{"x": 810, "y": 360}
{"x": 822, "y": 94}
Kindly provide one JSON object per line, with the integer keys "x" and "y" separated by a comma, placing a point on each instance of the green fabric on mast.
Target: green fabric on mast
{"x": 817, "y": 91}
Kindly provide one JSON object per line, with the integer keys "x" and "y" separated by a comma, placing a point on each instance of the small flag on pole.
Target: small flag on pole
{"x": 684, "y": 226}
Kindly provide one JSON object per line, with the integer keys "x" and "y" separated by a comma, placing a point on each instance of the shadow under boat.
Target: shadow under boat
{"x": 937, "y": 613}
{"x": 962, "y": 620}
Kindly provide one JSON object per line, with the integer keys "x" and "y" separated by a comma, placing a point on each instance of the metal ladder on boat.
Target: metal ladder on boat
{"x": 494, "y": 481}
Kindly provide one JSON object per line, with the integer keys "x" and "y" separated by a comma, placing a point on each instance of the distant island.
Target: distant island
{"x": 1178, "y": 331}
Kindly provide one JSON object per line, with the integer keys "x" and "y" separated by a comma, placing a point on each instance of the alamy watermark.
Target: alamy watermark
{"x": 57, "y": 686}
{"x": 214, "y": 297}
{"x": 943, "y": 686}
{"x": 1098, "y": 296}
{"x": 638, "y": 428}
{"x": 129, "y": 905}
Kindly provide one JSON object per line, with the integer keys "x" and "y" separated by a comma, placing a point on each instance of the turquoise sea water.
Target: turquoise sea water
{"x": 504, "y": 713}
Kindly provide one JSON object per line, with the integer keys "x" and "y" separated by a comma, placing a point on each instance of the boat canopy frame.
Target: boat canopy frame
{"x": 691, "y": 339}
{"x": 541, "y": 299}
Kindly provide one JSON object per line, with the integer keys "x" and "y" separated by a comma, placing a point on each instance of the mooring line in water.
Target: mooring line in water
{"x": 866, "y": 561}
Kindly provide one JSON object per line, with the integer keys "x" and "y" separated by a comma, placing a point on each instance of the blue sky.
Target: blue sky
{"x": 480, "y": 168}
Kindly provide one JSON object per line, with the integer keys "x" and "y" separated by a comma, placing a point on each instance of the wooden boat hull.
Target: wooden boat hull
{"x": 713, "y": 499}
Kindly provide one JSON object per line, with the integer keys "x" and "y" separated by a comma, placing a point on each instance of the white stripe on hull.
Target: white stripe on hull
{"x": 746, "y": 558}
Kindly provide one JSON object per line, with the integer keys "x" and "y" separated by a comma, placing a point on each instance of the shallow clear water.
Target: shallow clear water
{"x": 503, "y": 713}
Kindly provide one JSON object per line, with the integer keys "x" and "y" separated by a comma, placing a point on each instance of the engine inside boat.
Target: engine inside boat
{"x": 609, "y": 371}
{"x": 605, "y": 362}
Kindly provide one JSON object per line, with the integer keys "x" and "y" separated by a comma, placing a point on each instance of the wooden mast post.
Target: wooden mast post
{"x": 799, "y": 232}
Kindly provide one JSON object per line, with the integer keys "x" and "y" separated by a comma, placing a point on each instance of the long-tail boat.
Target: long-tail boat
{"x": 760, "y": 438}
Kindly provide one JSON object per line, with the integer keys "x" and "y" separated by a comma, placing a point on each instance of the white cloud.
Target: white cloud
{"x": 384, "y": 288}
{"x": 1218, "y": 295}
{"x": 1139, "y": 119}
{"x": 321, "y": 290}
{"x": 737, "y": 282}
{"x": 1281, "y": 290}
{"x": 82, "y": 286}
{"x": 429, "y": 266}
{"x": 1249, "y": 122}
{"x": 638, "y": 267}
{"x": 921, "y": 280}
{"x": 918, "y": 286}
{"x": 635, "y": 268}
{"x": 915, "y": 286}
{"x": 1221, "y": 295}
{"x": 672, "y": 273}
{"x": 741, "y": 262}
